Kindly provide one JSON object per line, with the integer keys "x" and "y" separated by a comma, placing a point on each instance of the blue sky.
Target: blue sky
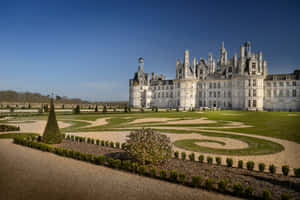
{"x": 89, "y": 49}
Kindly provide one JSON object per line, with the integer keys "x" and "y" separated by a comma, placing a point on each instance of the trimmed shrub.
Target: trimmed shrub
{"x": 285, "y": 196}
{"x": 261, "y": 167}
{"x": 117, "y": 163}
{"x": 163, "y": 174}
{"x": 176, "y": 154}
{"x": 285, "y": 170}
{"x": 92, "y": 141}
{"x": 82, "y": 156}
{"x": 111, "y": 144}
{"x": 65, "y": 152}
{"x": 123, "y": 146}
{"x": 182, "y": 177}
{"x": 110, "y": 162}
{"x": 209, "y": 160}
{"x": 134, "y": 167}
{"x": 297, "y": 172}
{"x": 250, "y": 165}
{"x": 267, "y": 195}
{"x": 89, "y": 157}
{"x": 183, "y": 155}
{"x": 229, "y": 162}
{"x": 173, "y": 175}
{"x": 49, "y": 148}
{"x": 153, "y": 172}
{"x": 52, "y": 134}
{"x": 237, "y": 189}
{"x": 149, "y": 146}
{"x": 76, "y": 155}
{"x": 272, "y": 169}
{"x": 70, "y": 153}
{"x": 209, "y": 183}
{"x": 97, "y": 142}
{"x": 240, "y": 164}
{"x": 196, "y": 181}
{"x": 89, "y": 140}
{"x": 218, "y": 160}
{"x": 126, "y": 164}
{"x": 248, "y": 191}
{"x": 201, "y": 158}
{"x": 76, "y": 110}
{"x": 99, "y": 160}
{"x": 222, "y": 184}
{"x": 106, "y": 143}
{"x": 142, "y": 169}
{"x": 192, "y": 157}
{"x": 102, "y": 143}
{"x": 118, "y": 145}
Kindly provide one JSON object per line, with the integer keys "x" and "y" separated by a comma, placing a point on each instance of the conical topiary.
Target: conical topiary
{"x": 52, "y": 133}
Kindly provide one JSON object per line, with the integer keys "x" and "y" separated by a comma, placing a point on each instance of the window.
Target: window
{"x": 294, "y": 83}
{"x": 294, "y": 93}
{"x": 158, "y": 95}
{"x": 171, "y": 94}
{"x": 230, "y": 69}
{"x": 268, "y": 93}
{"x": 287, "y": 93}
{"x": 249, "y": 83}
{"x": 229, "y": 94}
{"x": 268, "y": 84}
{"x": 219, "y": 93}
{"x": 274, "y": 93}
{"x": 253, "y": 68}
{"x": 214, "y": 85}
{"x": 159, "y": 87}
{"x": 215, "y": 95}
{"x": 287, "y": 83}
{"x": 249, "y": 93}
{"x": 254, "y": 103}
{"x": 274, "y": 84}
{"x": 210, "y": 94}
{"x": 249, "y": 103}
{"x": 281, "y": 84}
{"x": 254, "y": 92}
{"x": 280, "y": 93}
{"x": 219, "y": 85}
{"x": 167, "y": 95}
{"x": 254, "y": 83}
{"x": 210, "y": 85}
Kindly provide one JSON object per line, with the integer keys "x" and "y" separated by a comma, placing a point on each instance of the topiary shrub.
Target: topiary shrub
{"x": 222, "y": 185}
{"x": 97, "y": 142}
{"x": 92, "y": 141}
{"x": 89, "y": 157}
{"x": 76, "y": 155}
{"x": 229, "y": 162}
{"x": 272, "y": 169}
{"x": 237, "y": 189}
{"x": 104, "y": 109}
{"x": 111, "y": 144}
{"x": 126, "y": 165}
{"x": 82, "y": 156}
{"x": 173, "y": 175}
{"x": 196, "y": 181}
{"x": 261, "y": 167}
{"x": 134, "y": 167}
{"x": 240, "y": 164}
{"x": 106, "y": 143}
{"x": 192, "y": 157}
{"x": 201, "y": 158}
{"x": 285, "y": 196}
{"x": 110, "y": 162}
{"x": 218, "y": 160}
{"x": 149, "y": 146}
{"x": 182, "y": 177}
{"x": 123, "y": 146}
{"x": 248, "y": 191}
{"x": 117, "y": 163}
{"x": 70, "y": 153}
{"x": 267, "y": 195}
{"x": 209, "y": 183}
{"x": 153, "y": 172}
{"x": 118, "y": 145}
{"x": 102, "y": 143}
{"x": 176, "y": 154}
{"x": 163, "y": 174}
{"x": 142, "y": 169}
{"x": 100, "y": 160}
{"x": 52, "y": 133}
{"x": 183, "y": 155}
{"x": 285, "y": 170}
{"x": 250, "y": 165}
{"x": 297, "y": 172}
{"x": 76, "y": 110}
{"x": 209, "y": 160}
{"x": 96, "y": 108}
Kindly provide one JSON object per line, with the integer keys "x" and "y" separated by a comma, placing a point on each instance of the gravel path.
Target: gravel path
{"x": 31, "y": 174}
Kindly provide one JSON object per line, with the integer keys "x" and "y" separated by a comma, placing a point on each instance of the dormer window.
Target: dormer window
{"x": 253, "y": 68}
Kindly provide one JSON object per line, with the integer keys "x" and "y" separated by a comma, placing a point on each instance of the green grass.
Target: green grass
{"x": 13, "y": 135}
{"x": 256, "y": 146}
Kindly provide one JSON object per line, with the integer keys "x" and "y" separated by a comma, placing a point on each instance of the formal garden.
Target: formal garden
{"x": 240, "y": 153}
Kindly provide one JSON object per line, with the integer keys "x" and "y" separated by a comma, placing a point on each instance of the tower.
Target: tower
{"x": 248, "y": 49}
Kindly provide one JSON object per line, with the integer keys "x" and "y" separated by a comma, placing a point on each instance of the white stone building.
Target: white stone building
{"x": 240, "y": 83}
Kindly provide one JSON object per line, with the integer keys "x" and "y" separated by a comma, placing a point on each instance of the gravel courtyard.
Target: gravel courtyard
{"x": 30, "y": 174}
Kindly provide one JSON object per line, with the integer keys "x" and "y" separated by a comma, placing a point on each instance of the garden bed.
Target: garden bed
{"x": 277, "y": 184}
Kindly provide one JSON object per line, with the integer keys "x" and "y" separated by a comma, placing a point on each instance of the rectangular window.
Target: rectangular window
{"x": 219, "y": 93}
{"x": 274, "y": 84}
{"x": 229, "y": 94}
{"x": 249, "y": 103}
{"x": 254, "y": 103}
{"x": 214, "y": 85}
{"x": 294, "y": 83}
{"x": 215, "y": 94}
{"x": 268, "y": 93}
{"x": 210, "y": 85}
{"x": 287, "y": 83}
{"x": 254, "y": 92}
{"x": 268, "y": 84}
{"x": 287, "y": 93}
{"x": 281, "y": 84}
{"x": 294, "y": 93}
{"x": 249, "y": 93}
{"x": 280, "y": 93}
{"x": 254, "y": 83}
{"x": 219, "y": 85}
{"x": 249, "y": 83}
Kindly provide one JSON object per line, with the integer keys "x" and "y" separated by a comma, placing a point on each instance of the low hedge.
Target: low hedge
{"x": 5, "y": 128}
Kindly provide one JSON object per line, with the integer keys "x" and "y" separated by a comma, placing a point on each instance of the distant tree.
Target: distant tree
{"x": 7, "y": 106}
{"x": 63, "y": 106}
{"x": 29, "y": 106}
{"x": 76, "y": 110}
{"x": 142, "y": 109}
{"x": 46, "y": 108}
{"x": 115, "y": 109}
{"x": 11, "y": 109}
{"x": 89, "y": 107}
{"x": 52, "y": 133}
{"x": 126, "y": 109}
{"x": 104, "y": 109}
{"x": 129, "y": 109}
{"x": 96, "y": 108}
{"x": 58, "y": 98}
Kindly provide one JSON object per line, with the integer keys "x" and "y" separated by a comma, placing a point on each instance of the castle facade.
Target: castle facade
{"x": 239, "y": 83}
